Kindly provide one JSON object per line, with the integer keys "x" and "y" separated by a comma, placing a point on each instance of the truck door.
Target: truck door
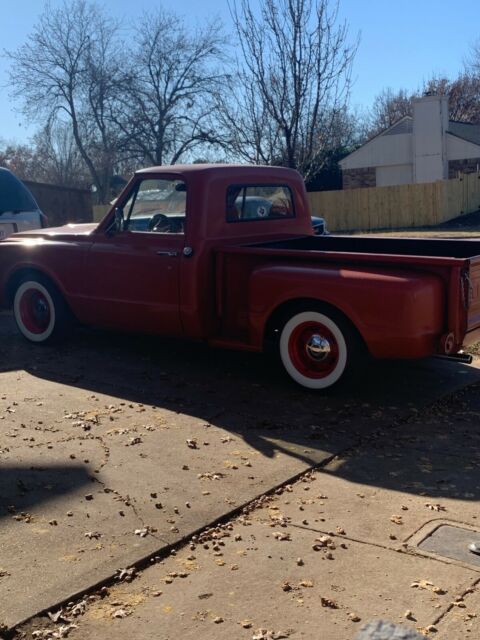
{"x": 133, "y": 271}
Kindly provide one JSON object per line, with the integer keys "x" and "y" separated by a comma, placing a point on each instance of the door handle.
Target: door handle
{"x": 169, "y": 254}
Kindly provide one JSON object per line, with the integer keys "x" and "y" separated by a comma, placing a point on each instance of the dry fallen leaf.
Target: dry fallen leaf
{"x": 279, "y": 535}
{"x": 435, "y": 507}
{"x": 93, "y": 534}
{"x": 430, "y": 629}
{"x": 268, "y": 634}
{"x": 459, "y": 603}
{"x": 55, "y": 617}
{"x": 126, "y": 574}
{"x": 327, "y": 602}
{"x": 306, "y": 583}
{"x": 354, "y": 617}
{"x": 429, "y": 586}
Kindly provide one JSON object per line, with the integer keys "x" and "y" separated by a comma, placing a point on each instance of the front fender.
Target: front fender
{"x": 399, "y": 313}
{"x": 61, "y": 262}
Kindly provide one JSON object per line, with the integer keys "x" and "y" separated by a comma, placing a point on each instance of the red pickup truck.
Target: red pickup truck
{"x": 227, "y": 254}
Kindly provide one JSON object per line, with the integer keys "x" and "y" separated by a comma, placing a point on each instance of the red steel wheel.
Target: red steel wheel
{"x": 38, "y": 309}
{"x": 314, "y": 350}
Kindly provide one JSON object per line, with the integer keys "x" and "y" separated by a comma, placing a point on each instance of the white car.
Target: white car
{"x": 18, "y": 209}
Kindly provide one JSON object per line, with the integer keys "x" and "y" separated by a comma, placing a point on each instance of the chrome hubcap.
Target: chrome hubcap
{"x": 318, "y": 348}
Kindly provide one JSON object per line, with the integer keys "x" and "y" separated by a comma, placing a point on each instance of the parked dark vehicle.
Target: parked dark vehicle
{"x": 18, "y": 209}
{"x": 319, "y": 226}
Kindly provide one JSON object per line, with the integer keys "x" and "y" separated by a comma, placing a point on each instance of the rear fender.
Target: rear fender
{"x": 397, "y": 313}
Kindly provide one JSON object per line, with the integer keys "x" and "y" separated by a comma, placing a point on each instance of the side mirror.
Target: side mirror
{"x": 118, "y": 223}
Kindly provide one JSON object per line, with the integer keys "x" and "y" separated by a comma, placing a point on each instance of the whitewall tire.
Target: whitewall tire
{"x": 315, "y": 349}
{"x": 38, "y": 309}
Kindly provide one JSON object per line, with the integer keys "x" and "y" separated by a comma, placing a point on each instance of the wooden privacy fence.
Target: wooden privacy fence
{"x": 100, "y": 211}
{"x": 402, "y": 206}
{"x": 62, "y": 204}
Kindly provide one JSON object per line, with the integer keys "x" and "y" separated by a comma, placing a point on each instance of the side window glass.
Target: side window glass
{"x": 259, "y": 202}
{"x": 157, "y": 206}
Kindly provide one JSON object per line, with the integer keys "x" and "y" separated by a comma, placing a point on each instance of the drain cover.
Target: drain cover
{"x": 452, "y": 542}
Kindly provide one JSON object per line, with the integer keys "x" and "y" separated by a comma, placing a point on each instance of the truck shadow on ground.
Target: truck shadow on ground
{"x": 435, "y": 453}
{"x": 248, "y": 394}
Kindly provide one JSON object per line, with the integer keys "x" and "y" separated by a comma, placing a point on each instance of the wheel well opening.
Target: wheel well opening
{"x": 281, "y": 314}
{"x": 17, "y": 277}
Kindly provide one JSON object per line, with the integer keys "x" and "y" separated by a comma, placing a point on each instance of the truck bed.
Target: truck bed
{"x": 456, "y": 263}
{"x": 383, "y": 246}
{"x": 452, "y": 260}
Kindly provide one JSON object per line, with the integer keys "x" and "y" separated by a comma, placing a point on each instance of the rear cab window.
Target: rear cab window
{"x": 247, "y": 203}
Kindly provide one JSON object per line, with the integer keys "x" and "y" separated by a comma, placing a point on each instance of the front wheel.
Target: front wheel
{"x": 39, "y": 310}
{"x": 317, "y": 348}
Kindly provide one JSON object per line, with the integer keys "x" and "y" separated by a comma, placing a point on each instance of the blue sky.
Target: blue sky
{"x": 401, "y": 43}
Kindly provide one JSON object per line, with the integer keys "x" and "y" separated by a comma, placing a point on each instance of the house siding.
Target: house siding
{"x": 433, "y": 146}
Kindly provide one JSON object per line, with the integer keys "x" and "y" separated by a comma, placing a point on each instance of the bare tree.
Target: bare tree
{"x": 388, "y": 108}
{"x": 463, "y": 95}
{"x": 463, "y": 100}
{"x": 68, "y": 70}
{"x": 291, "y": 84}
{"x": 167, "y": 101}
{"x": 472, "y": 60}
{"x": 19, "y": 158}
{"x": 59, "y": 161}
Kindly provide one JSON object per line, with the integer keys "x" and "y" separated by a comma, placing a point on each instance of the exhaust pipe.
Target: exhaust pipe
{"x": 464, "y": 358}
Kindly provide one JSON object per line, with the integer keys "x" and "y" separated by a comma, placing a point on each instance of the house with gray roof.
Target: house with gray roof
{"x": 424, "y": 148}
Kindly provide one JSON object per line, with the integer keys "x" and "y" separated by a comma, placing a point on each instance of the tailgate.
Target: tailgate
{"x": 474, "y": 295}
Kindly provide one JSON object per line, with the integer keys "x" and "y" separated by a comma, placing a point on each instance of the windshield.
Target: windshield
{"x": 14, "y": 196}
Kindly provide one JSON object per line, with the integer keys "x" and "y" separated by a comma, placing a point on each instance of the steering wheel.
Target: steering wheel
{"x": 159, "y": 222}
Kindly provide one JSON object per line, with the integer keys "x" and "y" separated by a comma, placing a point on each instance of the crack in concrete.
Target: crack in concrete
{"x": 406, "y": 550}
{"x": 126, "y": 500}
{"x": 451, "y": 606}
{"x": 49, "y": 443}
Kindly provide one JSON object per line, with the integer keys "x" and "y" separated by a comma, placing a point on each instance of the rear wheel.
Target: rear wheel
{"x": 317, "y": 348}
{"x": 39, "y": 310}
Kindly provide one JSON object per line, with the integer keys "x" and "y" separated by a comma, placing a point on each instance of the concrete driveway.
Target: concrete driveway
{"x": 114, "y": 447}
